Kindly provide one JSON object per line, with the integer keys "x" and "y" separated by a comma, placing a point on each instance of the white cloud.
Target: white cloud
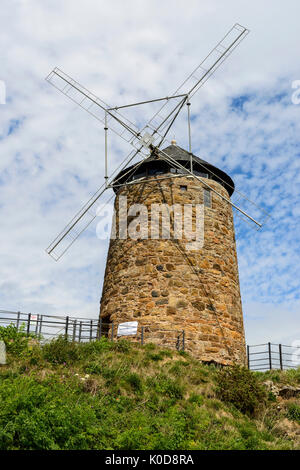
{"x": 126, "y": 51}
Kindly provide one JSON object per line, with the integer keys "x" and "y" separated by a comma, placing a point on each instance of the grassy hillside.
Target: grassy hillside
{"x": 105, "y": 395}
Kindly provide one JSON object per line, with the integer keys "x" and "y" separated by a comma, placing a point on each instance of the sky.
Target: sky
{"x": 245, "y": 120}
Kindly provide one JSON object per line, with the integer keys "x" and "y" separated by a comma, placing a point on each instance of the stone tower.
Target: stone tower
{"x": 162, "y": 283}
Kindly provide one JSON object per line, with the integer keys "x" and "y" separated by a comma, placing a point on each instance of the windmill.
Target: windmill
{"x": 145, "y": 140}
{"x": 146, "y": 143}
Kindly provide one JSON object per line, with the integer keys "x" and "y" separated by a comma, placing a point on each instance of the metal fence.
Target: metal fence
{"x": 47, "y": 327}
{"x": 260, "y": 357}
{"x": 269, "y": 356}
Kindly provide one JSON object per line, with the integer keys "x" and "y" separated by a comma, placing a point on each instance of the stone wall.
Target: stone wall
{"x": 163, "y": 285}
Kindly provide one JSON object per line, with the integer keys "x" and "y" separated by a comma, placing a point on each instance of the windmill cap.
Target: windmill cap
{"x": 156, "y": 161}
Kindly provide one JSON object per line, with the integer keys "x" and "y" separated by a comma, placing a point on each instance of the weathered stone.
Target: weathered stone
{"x": 210, "y": 307}
{"x": 148, "y": 269}
{"x": 170, "y": 267}
{"x": 150, "y": 305}
{"x": 271, "y": 387}
{"x": 162, "y": 284}
{"x": 198, "y": 305}
{"x": 217, "y": 267}
{"x": 181, "y": 304}
{"x": 171, "y": 310}
{"x": 162, "y": 302}
{"x": 154, "y": 293}
{"x": 165, "y": 293}
{"x": 289, "y": 392}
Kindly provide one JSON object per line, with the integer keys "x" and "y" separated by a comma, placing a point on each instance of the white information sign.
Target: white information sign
{"x": 128, "y": 328}
{"x": 2, "y": 353}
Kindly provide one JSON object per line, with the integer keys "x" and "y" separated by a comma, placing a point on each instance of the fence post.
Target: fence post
{"x": 99, "y": 328}
{"x": 40, "y": 328}
{"x": 74, "y": 331}
{"x": 37, "y": 324}
{"x": 80, "y": 328}
{"x": 18, "y": 320}
{"x": 270, "y": 355}
{"x": 142, "y": 336}
{"x": 91, "y": 330}
{"x": 248, "y": 356}
{"x": 280, "y": 356}
{"x": 112, "y": 330}
{"x": 67, "y": 326}
{"x": 183, "y": 340}
{"x": 28, "y": 323}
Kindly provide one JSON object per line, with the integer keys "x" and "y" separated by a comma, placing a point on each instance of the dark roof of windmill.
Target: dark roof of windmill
{"x": 182, "y": 156}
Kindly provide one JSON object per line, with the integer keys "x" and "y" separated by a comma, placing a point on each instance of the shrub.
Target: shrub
{"x": 123, "y": 345}
{"x": 95, "y": 347}
{"x": 16, "y": 341}
{"x": 154, "y": 356}
{"x": 93, "y": 368}
{"x": 165, "y": 386}
{"x": 60, "y": 351}
{"x": 293, "y": 411}
{"x": 197, "y": 399}
{"x": 293, "y": 375}
{"x": 240, "y": 387}
{"x": 250, "y": 436}
{"x": 157, "y": 356}
{"x": 150, "y": 347}
{"x": 110, "y": 374}
{"x": 135, "y": 381}
{"x": 43, "y": 416}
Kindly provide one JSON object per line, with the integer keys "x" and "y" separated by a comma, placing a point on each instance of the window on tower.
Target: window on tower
{"x": 156, "y": 171}
{"x": 207, "y": 197}
{"x": 200, "y": 173}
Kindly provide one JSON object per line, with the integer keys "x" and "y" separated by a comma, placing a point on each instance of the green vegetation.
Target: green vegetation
{"x": 242, "y": 388}
{"x": 293, "y": 411}
{"x": 120, "y": 395}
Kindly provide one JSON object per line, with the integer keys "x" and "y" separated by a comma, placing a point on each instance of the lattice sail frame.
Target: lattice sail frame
{"x": 151, "y": 135}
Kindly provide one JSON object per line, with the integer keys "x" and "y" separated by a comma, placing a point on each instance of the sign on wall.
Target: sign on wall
{"x": 127, "y": 328}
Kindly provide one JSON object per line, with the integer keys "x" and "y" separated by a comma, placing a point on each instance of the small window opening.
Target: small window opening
{"x": 105, "y": 327}
{"x": 207, "y": 198}
{"x": 183, "y": 188}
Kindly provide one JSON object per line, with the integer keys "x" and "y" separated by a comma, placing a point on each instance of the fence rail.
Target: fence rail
{"x": 270, "y": 356}
{"x": 46, "y": 327}
{"x": 260, "y": 357}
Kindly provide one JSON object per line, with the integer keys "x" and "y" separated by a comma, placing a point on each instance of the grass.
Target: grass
{"x": 105, "y": 395}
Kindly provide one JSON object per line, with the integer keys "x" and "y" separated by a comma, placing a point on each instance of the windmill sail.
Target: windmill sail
{"x": 85, "y": 216}
{"x": 75, "y": 227}
{"x": 199, "y": 76}
{"x": 107, "y": 115}
{"x": 91, "y": 103}
{"x": 242, "y": 213}
{"x": 162, "y": 118}
{"x": 154, "y": 132}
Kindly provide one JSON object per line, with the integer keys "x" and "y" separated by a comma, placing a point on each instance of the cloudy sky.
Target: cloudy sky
{"x": 244, "y": 119}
